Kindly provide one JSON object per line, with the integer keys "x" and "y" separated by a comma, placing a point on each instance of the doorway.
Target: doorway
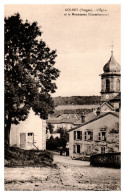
{"x": 22, "y": 140}
{"x": 78, "y": 148}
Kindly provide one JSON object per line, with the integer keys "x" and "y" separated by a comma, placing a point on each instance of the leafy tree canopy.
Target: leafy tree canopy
{"x": 49, "y": 128}
{"x": 29, "y": 71}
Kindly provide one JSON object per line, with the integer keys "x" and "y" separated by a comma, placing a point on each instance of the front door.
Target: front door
{"x": 78, "y": 148}
{"x": 22, "y": 140}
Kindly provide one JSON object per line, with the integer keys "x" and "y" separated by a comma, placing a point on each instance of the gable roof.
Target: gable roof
{"x": 108, "y": 104}
{"x": 64, "y": 118}
{"x": 69, "y": 120}
{"x": 88, "y": 117}
{"x": 98, "y": 117}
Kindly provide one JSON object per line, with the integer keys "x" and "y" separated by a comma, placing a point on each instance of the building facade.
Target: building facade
{"x": 29, "y": 134}
{"x": 98, "y": 135}
{"x": 99, "y": 132}
{"x": 65, "y": 121}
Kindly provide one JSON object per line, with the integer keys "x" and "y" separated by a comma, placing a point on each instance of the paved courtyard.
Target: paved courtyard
{"x": 69, "y": 175}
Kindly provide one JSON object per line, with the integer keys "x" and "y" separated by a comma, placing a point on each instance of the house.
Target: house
{"x": 54, "y": 134}
{"x": 98, "y": 135}
{"x": 29, "y": 134}
{"x": 65, "y": 121}
{"x": 98, "y": 132}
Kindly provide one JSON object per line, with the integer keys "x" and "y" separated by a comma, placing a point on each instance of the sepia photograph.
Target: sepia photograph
{"x": 62, "y": 97}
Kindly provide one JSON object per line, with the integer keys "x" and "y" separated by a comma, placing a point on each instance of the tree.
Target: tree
{"x": 49, "y": 128}
{"x": 64, "y": 137}
{"x": 56, "y": 143}
{"x": 29, "y": 72}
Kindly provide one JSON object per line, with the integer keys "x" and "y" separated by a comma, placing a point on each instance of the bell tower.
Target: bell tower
{"x": 110, "y": 80}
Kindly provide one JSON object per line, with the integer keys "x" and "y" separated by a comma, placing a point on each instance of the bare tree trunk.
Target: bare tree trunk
{"x": 7, "y": 131}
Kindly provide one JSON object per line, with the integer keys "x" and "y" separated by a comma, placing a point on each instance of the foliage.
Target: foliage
{"x": 53, "y": 143}
{"x": 64, "y": 137}
{"x": 76, "y": 100}
{"x": 29, "y": 72}
{"x": 19, "y": 157}
{"x": 56, "y": 143}
{"x": 49, "y": 128}
{"x": 73, "y": 111}
{"x": 115, "y": 129}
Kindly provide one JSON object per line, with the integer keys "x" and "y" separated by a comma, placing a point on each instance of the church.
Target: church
{"x": 110, "y": 79}
{"x": 99, "y": 131}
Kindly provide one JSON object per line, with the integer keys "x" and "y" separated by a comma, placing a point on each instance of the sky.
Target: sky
{"x": 83, "y": 43}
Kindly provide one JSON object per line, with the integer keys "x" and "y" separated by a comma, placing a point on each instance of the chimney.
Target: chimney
{"x": 82, "y": 118}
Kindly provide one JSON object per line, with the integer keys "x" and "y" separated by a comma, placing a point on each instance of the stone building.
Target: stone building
{"x": 98, "y": 135}
{"x": 65, "y": 121}
{"x": 99, "y": 131}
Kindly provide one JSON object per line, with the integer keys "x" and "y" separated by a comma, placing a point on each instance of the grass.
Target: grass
{"x": 16, "y": 157}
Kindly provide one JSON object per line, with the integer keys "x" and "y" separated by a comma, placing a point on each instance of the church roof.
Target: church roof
{"x": 111, "y": 65}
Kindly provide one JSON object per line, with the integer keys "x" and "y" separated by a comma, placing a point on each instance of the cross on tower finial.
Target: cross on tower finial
{"x": 112, "y": 47}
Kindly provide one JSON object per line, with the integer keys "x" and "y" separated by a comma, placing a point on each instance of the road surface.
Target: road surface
{"x": 69, "y": 175}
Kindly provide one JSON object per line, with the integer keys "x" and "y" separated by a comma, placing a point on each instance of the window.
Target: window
{"x": 88, "y": 135}
{"x": 99, "y": 136}
{"x": 30, "y": 138}
{"x": 77, "y": 148}
{"x": 30, "y": 134}
{"x": 103, "y": 149}
{"x": 85, "y": 135}
{"x": 77, "y": 135}
{"x": 102, "y": 136}
{"x": 107, "y": 85}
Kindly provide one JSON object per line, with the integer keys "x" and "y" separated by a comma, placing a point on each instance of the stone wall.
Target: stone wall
{"x": 106, "y": 160}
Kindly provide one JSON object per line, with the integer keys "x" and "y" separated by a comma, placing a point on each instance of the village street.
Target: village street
{"x": 69, "y": 175}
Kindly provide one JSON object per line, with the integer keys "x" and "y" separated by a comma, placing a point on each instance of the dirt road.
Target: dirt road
{"x": 69, "y": 175}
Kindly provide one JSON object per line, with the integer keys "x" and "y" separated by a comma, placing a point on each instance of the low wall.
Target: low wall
{"x": 106, "y": 160}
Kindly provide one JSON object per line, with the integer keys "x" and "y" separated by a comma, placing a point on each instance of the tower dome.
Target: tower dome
{"x": 111, "y": 65}
{"x": 110, "y": 80}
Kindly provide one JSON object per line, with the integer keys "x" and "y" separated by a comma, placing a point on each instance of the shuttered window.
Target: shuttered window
{"x": 102, "y": 136}
{"x": 88, "y": 135}
{"x": 99, "y": 136}
{"x": 77, "y": 135}
{"x": 80, "y": 135}
{"x": 91, "y": 136}
{"x": 85, "y": 135}
{"x": 74, "y": 135}
{"x": 74, "y": 149}
{"x": 102, "y": 149}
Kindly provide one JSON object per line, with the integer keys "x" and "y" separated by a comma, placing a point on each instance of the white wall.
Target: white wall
{"x": 33, "y": 124}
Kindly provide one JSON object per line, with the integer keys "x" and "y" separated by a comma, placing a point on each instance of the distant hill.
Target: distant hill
{"x": 76, "y": 100}
{"x": 76, "y": 107}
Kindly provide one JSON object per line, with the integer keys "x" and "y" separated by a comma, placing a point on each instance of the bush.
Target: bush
{"x": 55, "y": 143}
{"x": 19, "y": 157}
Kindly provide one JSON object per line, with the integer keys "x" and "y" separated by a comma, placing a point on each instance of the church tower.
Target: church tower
{"x": 110, "y": 80}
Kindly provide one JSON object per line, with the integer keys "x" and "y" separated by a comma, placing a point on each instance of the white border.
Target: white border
{"x": 122, "y": 2}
